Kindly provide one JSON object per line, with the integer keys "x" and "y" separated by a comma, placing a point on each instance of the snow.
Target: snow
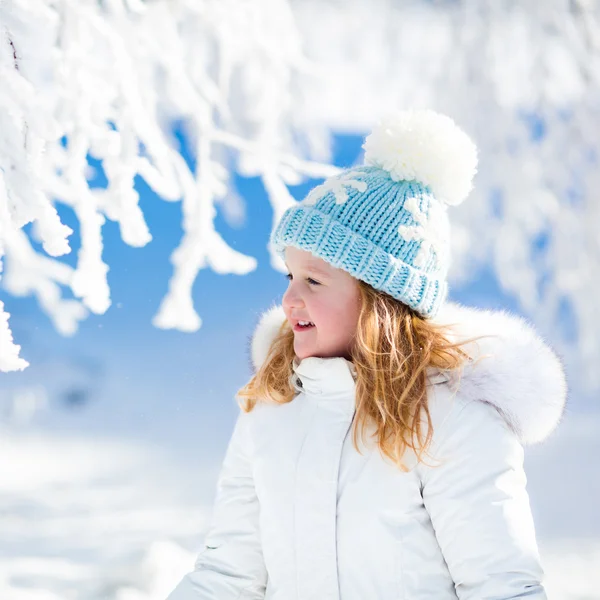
{"x": 92, "y": 518}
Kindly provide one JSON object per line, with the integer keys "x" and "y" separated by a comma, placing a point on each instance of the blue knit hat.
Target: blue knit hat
{"x": 386, "y": 222}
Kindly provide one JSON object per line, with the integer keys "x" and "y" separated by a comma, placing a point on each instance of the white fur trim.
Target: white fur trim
{"x": 267, "y": 328}
{"x": 428, "y": 147}
{"x": 518, "y": 372}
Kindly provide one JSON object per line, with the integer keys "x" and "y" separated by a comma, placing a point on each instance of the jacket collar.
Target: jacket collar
{"x": 514, "y": 369}
{"x": 332, "y": 377}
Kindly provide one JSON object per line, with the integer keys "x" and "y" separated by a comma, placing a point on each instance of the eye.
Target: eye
{"x": 311, "y": 281}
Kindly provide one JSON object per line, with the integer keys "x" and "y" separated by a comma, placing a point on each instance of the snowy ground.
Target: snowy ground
{"x": 91, "y": 519}
{"x": 110, "y": 519}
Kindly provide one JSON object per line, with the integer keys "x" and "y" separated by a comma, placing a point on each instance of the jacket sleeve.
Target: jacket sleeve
{"x": 479, "y": 506}
{"x": 231, "y": 565}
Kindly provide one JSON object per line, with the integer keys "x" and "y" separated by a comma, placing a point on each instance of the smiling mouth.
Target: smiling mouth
{"x": 299, "y": 327}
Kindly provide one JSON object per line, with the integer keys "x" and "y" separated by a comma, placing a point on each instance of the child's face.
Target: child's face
{"x": 325, "y": 296}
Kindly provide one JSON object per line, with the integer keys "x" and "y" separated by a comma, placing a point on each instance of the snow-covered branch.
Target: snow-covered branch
{"x": 83, "y": 78}
{"x": 258, "y": 87}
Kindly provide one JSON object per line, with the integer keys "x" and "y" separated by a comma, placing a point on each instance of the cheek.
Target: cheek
{"x": 349, "y": 315}
{"x": 337, "y": 320}
{"x": 349, "y": 325}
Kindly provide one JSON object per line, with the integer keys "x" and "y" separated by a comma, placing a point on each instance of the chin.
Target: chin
{"x": 331, "y": 354}
{"x": 304, "y": 353}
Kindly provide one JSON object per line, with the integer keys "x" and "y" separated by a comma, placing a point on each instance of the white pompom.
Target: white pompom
{"x": 428, "y": 147}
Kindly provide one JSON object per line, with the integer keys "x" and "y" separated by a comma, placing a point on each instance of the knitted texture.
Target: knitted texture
{"x": 392, "y": 233}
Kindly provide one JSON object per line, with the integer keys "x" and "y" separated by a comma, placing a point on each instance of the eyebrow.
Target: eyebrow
{"x": 314, "y": 269}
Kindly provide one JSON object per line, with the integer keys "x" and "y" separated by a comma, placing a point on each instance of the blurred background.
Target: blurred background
{"x": 148, "y": 148}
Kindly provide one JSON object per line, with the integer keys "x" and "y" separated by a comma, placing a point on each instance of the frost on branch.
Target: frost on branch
{"x": 108, "y": 80}
{"x": 9, "y": 351}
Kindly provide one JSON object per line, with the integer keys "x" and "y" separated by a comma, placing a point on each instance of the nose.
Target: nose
{"x": 291, "y": 298}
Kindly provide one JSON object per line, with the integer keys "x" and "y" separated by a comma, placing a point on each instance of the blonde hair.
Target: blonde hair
{"x": 392, "y": 348}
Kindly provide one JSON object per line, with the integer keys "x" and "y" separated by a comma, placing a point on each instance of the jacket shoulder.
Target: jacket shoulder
{"x": 463, "y": 425}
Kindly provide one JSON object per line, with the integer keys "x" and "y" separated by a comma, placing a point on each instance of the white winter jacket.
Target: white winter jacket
{"x": 301, "y": 515}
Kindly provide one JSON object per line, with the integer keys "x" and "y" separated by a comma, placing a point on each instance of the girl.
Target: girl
{"x": 378, "y": 454}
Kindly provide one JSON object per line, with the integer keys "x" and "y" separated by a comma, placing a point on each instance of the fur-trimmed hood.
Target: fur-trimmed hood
{"x": 514, "y": 369}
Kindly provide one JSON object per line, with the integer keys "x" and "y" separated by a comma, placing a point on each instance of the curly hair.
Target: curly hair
{"x": 392, "y": 348}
